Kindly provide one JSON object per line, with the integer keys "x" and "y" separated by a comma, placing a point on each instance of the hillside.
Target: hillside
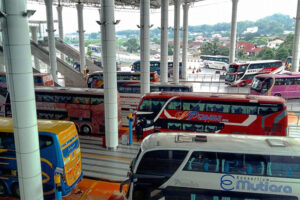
{"x": 271, "y": 25}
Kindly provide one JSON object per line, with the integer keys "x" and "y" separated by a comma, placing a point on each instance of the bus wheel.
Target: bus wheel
{"x": 3, "y": 190}
{"x": 15, "y": 190}
{"x": 224, "y": 68}
{"x": 85, "y": 129}
{"x": 243, "y": 84}
{"x": 277, "y": 95}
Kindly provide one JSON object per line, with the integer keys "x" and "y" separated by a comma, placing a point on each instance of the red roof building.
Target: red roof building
{"x": 249, "y": 48}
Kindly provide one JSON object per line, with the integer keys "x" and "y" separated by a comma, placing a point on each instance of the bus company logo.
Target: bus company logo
{"x": 195, "y": 115}
{"x": 229, "y": 182}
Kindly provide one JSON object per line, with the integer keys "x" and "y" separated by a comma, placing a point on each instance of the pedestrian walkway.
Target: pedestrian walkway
{"x": 98, "y": 162}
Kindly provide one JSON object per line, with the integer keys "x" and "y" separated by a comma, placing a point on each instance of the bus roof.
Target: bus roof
{"x": 224, "y": 143}
{"x": 137, "y": 82}
{"x": 121, "y": 72}
{"x": 284, "y": 75}
{"x": 214, "y": 56}
{"x": 220, "y": 97}
{"x": 255, "y": 62}
{"x": 53, "y": 126}
{"x": 70, "y": 90}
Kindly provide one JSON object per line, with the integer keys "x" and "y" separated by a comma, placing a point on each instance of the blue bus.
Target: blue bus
{"x": 59, "y": 151}
{"x": 155, "y": 66}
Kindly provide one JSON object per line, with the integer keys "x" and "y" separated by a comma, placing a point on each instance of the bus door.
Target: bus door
{"x": 266, "y": 86}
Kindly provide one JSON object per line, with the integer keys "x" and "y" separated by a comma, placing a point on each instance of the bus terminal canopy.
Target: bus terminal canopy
{"x": 96, "y": 3}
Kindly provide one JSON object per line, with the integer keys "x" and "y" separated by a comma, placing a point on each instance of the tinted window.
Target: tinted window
{"x": 203, "y": 161}
{"x": 161, "y": 162}
{"x": 45, "y": 141}
{"x": 152, "y": 104}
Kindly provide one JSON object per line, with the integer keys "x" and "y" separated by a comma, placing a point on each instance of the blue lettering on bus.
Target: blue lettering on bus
{"x": 228, "y": 183}
{"x": 196, "y": 115}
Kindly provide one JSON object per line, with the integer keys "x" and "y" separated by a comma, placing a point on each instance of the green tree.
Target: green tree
{"x": 132, "y": 45}
{"x": 170, "y": 50}
{"x": 89, "y": 52}
{"x": 281, "y": 54}
{"x": 266, "y": 53}
{"x": 242, "y": 54}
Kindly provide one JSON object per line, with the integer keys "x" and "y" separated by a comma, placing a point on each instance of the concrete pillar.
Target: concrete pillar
{"x": 296, "y": 46}
{"x": 16, "y": 45}
{"x": 145, "y": 45}
{"x": 176, "y": 41}
{"x": 51, "y": 39}
{"x": 233, "y": 31}
{"x": 60, "y": 26}
{"x": 2, "y": 66}
{"x": 33, "y": 30}
{"x": 164, "y": 41}
{"x": 185, "y": 38}
{"x": 109, "y": 72}
{"x": 79, "y": 7}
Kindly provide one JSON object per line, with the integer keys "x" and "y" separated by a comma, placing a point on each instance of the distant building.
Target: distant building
{"x": 275, "y": 43}
{"x": 249, "y": 48}
{"x": 251, "y": 30}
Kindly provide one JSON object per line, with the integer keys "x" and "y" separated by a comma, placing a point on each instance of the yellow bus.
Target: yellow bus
{"x": 59, "y": 150}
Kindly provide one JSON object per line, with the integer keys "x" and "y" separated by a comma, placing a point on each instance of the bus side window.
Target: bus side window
{"x": 7, "y": 141}
{"x": 174, "y": 126}
{"x": 45, "y": 141}
{"x": 233, "y": 163}
{"x": 203, "y": 162}
{"x": 174, "y": 105}
{"x": 255, "y": 164}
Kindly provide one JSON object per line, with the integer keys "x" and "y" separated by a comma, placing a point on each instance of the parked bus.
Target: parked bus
{"x": 83, "y": 106}
{"x": 40, "y": 79}
{"x": 59, "y": 151}
{"x": 155, "y": 66}
{"x": 242, "y": 74}
{"x": 212, "y": 113}
{"x": 95, "y": 80}
{"x": 130, "y": 92}
{"x": 216, "y": 62}
{"x": 201, "y": 166}
{"x": 286, "y": 85}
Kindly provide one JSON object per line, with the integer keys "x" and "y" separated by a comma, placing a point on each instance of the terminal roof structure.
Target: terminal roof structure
{"x": 96, "y": 3}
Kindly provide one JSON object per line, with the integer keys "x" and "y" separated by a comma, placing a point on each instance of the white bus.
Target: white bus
{"x": 216, "y": 62}
{"x": 217, "y": 167}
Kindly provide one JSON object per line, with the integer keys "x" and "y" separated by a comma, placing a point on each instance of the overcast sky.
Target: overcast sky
{"x": 207, "y": 12}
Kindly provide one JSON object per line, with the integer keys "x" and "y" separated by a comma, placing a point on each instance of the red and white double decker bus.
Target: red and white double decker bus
{"x": 242, "y": 74}
{"x": 212, "y": 113}
{"x": 83, "y": 106}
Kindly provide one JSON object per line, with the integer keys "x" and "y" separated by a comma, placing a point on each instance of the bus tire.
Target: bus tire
{"x": 86, "y": 129}
{"x": 15, "y": 189}
{"x": 243, "y": 84}
{"x": 224, "y": 68}
{"x": 3, "y": 189}
{"x": 277, "y": 95}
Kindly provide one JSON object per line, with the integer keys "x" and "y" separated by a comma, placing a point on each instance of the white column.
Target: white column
{"x": 185, "y": 38}
{"x": 296, "y": 46}
{"x": 164, "y": 41}
{"x": 51, "y": 39}
{"x": 79, "y": 7}
{"x": 60, "y": 26}
{"x": 109, "y": 72}
{"x": 233, "y": 31}
{"x": 145, "y": 45}
{"x": 176, "y": 41}
{"x": 16, "y": 45}
{"x": 33, "y": 30}
{"x": 2, "y": 66}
